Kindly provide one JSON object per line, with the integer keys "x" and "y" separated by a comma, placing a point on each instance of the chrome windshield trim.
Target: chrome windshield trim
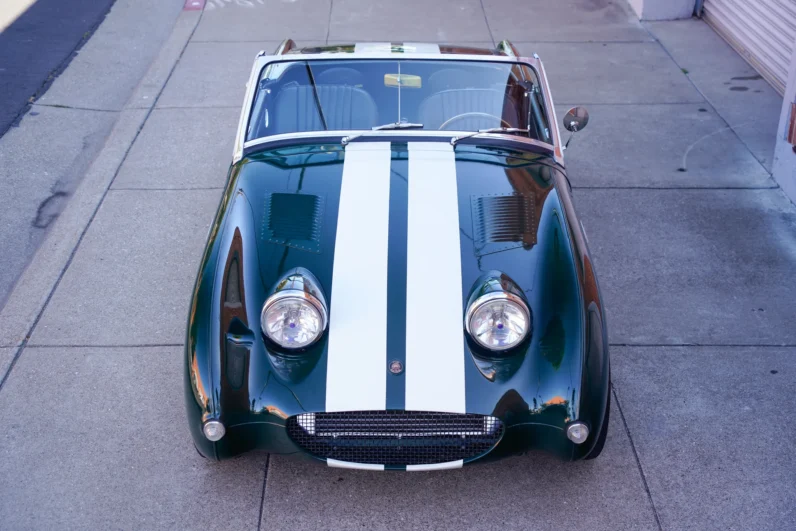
{"x": 285, "y": 46}
{"x": 245, "y": 112}
{"x": 508, "y": 48}
{"x": 378, "y": 54}
{"x": 368, "y": 133}
{"x": 551, "y": 111}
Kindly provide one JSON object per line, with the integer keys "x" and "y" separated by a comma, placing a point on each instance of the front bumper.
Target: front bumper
{"x": 396, "y": 440}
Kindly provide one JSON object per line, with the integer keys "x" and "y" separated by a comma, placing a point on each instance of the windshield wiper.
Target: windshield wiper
{"x": 455, "y": 139}
{"x": 315, "y": 95}
{"x": 384, "y": 127}
{"x": 397, "y": 125}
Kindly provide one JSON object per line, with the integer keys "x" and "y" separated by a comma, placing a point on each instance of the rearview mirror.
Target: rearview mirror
{"x": 403, "y": 80}
{"x": 576, "y": 119}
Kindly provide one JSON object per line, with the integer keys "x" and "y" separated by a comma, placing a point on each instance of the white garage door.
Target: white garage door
{"x": 763, "y": 32}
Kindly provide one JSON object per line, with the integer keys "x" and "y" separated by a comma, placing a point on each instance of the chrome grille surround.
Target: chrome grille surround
{"x": 395, "y": 437}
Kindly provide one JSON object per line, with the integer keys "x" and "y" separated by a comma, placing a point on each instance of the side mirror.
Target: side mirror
{"x": 576, "y": 119}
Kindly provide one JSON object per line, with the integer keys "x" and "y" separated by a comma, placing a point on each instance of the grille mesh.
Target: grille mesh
{"x": 395, "y": 437}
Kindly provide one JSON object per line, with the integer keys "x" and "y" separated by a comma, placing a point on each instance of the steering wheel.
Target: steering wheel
{"x": 471, "y": 114}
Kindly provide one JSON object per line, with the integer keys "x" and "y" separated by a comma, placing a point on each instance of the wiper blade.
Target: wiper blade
{"x": 384, "y": 127}
{"x": 315, "y": 95}
{"x": 397, "y": 125}
{"x": 455, "y": 139}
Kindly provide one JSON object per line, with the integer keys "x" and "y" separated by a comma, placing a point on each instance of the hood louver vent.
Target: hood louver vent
{"x": 294, "y": 220}
{"x": 503, "y": 222}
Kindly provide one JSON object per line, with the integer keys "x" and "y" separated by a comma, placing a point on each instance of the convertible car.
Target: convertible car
{"x": 396, "y": 277}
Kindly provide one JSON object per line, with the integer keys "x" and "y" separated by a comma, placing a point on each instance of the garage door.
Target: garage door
{"x": 763, "y": 32}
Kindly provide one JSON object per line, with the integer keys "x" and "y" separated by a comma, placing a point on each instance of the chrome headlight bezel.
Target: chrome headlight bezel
{"x": 498, "y": 296}
{"x": 298, "y": 285}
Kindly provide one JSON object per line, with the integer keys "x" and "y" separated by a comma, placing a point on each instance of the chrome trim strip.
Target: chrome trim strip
{"x": 551, "y": 112}
{"x": 404, "y": 55}
{"x": 368, "y": 133}
{"x": 507, "y": 48}
{"x": 243, "y": 122}
{"x": 285, "y": 46}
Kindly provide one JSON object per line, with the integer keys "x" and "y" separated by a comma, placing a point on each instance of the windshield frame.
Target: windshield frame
{"x": 263, "y": 61}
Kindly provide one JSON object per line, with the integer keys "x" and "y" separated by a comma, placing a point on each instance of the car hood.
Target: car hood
{"x": 397, "y": 235}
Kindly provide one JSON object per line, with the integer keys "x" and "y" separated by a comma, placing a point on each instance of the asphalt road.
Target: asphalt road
{"x": 36, "y": 47}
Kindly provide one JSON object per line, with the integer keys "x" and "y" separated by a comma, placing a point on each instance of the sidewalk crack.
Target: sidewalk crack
{"x": 638, "y": 461}
{"x": 262, "y": 495}
{"x": 698, "y": 345}
{"x": 107, "y": 346}
{"x": 73, "y": 108}
{"x": 715, "y": 110}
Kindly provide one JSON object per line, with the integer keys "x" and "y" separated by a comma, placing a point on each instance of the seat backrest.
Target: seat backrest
{"x": 442, "y": 106}
{"x": 344, "y": 107}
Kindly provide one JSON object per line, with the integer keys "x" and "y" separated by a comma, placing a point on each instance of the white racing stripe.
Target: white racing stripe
{"x": 450, "y": 465}
{"x": 334, "y": 463}
{"x": 373, "y": 47}
{"x": 356, "y": 375}
{"x": 434, "y": 341}
{"x": 421, "y": 47}
{"x": 386, "y": 47}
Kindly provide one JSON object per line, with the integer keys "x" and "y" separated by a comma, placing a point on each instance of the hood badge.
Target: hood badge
{"x": 396, "y": 367}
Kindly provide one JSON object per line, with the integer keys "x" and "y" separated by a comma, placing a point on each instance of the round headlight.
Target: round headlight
{"x": 293, "y": 319}
{"x": 498, "y": 320}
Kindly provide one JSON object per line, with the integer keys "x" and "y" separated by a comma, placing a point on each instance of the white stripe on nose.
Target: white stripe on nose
{"x": 356, "y": 377}
{"x": 334, "y": 463}
{"x": 434, "y": 340}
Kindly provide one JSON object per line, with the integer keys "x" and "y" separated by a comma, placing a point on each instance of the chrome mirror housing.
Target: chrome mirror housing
{"x": 576, "y": 119}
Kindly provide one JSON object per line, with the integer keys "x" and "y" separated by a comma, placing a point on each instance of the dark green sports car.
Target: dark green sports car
{"x": 396, "y": 277}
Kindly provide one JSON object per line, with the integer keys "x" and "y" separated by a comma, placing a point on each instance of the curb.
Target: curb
{"x": 36, "y": 285}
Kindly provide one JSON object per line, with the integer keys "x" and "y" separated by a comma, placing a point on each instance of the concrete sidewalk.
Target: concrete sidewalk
{"x": 61, "y": 126}
{"x": 694, "y": 244}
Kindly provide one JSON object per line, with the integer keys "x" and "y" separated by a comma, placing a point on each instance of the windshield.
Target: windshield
{"x": 345, "y": 95}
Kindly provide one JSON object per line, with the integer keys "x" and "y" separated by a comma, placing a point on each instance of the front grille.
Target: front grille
{"x": 395, "y": 437}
